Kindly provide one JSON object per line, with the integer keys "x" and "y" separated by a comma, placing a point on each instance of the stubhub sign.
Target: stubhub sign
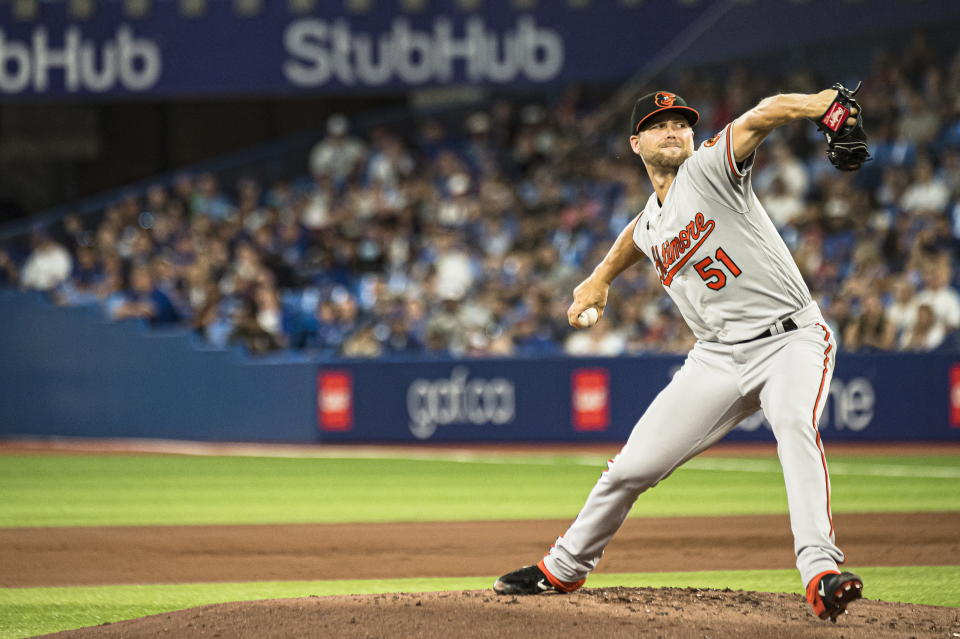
{"x": 314, "y": 54}
{"x": 284, "y": 48}
{"x": 333, "y": 48}
{"x": 320, "y": 51}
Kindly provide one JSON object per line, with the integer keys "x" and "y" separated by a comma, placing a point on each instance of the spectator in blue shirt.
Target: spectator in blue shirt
{"x": 146, "y": 301}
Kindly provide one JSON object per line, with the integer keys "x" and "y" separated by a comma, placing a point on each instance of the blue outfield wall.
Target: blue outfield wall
{"x": 67, "y": 372}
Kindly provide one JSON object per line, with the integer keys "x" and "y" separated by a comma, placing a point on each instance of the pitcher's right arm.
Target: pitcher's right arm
{"x": 593, "y": 290}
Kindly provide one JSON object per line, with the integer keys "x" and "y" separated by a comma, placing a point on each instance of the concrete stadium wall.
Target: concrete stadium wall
{"x": 67, "y": 372}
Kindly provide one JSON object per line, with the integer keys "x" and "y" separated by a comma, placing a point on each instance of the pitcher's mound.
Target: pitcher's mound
{"x": 596, "y": 612}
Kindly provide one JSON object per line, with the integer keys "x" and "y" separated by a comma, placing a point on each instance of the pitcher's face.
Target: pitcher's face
{"x": 665, "y": 141}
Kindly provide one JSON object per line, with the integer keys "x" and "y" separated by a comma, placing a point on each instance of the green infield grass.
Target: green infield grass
{"x": 26, "y": 612}
{"x": 98, "y": 490}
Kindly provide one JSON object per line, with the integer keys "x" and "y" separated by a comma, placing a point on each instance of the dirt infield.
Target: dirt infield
{"x": 602, "y": 612}
{"x": 179, "y": 554}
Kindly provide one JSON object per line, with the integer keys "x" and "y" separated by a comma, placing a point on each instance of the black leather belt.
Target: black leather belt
{"x": 788, "y": 325}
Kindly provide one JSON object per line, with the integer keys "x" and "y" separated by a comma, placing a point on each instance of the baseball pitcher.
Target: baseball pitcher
{"x": 761, "y": 340}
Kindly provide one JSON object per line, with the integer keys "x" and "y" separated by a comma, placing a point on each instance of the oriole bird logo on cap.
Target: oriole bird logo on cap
{"x": 665, "y": 98}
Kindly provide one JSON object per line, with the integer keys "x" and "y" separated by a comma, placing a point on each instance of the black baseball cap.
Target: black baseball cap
{"x": 658, "y": 102}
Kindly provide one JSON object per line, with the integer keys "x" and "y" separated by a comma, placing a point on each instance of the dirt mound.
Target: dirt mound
{"x": 598, "y": 612}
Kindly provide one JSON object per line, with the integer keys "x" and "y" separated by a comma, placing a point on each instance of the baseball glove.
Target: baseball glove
{"x": 846, "y": 143}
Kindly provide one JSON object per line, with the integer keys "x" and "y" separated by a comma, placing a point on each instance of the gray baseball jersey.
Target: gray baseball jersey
{"x": 719, "y": 256}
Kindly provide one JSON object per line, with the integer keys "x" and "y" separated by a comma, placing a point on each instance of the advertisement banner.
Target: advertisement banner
{"x": 893, "y": 397}
{"x": 224, "y": 48}
{"x": 382, "y": 47}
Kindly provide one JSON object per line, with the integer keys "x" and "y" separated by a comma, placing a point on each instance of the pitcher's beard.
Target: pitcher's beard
{"x": 661, "y": 160}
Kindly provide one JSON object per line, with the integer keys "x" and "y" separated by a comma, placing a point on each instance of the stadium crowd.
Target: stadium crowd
{"x": 448, "y": 240}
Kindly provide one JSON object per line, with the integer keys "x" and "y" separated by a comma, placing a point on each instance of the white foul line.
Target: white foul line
{"x": 468, "y": 456}
{"x": 836, "y": 468}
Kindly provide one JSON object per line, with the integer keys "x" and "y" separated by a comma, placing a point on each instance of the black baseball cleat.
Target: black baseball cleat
{"x": 532, "y": 580}
{"x": 830, "y": 593}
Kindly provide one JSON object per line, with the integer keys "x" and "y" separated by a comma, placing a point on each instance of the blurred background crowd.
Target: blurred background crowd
{"x": 464, "y": 236}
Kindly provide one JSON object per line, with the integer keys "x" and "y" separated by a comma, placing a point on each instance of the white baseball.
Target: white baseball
{"x": 588, "y": 318}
